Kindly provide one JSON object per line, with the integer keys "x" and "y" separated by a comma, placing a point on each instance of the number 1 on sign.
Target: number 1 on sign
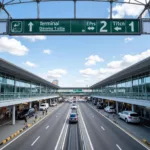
{"x": 132, "y": 26}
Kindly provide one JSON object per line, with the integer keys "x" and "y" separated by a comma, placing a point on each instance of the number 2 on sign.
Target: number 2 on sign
{"x": 103, "y": 26}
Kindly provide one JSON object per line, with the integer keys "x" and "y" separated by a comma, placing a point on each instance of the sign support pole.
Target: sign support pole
{"x": 74, "y": 8}
{"x": 38, "y": 9}
{"x": 111, "y": 9}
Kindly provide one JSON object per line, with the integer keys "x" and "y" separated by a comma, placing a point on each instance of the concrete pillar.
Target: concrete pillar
{"x": 13, "y": 114}
{"x": 132, "y": 107}
{"x": 117, "y": 108}
{"x": 30, "y": 104}
{"x": 108, "y": 103}
{"x": 39, "y": 104}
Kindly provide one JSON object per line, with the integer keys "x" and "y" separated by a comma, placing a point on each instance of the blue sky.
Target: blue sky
{"x": 74, "y": 60}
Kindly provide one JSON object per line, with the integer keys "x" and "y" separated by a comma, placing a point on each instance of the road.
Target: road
{"x": 44, "y": 135}
{"x": 103, "y": 134}
{"x": 72, "y": 140}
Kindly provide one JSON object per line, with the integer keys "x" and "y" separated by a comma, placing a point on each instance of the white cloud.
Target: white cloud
{"x": 114, "y": 66}
{"x": 30, "y": 64}
{"x": 12, "y": 46}
{"x": 93, "y": 59}
{"x": 128, "y": 39}
{"x": 87, "y": 72}
{"x": 122, "y": 10}
{"x": 47, "y": 51}
{"x": 56, "y": 73}
{"x": 33, "y": 38}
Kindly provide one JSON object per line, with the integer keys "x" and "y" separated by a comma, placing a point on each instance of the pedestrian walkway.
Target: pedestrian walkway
{"x": 8, "y": 129}
{"x": 138, "y": 130}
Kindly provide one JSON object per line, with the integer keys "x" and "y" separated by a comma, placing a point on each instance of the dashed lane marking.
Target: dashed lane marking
{"x": 121, "y": 129}
{"x": 35, "y": 141}
{"x": 102, "y": 128}
{"x": 118, "y": 147}
{"x": 47, "y": 127}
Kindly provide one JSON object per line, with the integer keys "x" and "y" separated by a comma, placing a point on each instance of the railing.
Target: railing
{"x": 10, "y": 96}
{"x": 130, "y": 95}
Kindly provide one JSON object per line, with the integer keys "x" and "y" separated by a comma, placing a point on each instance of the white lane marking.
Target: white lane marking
{"x": 61, "y": 131}
{"x": 118, "y": 147}
{"x": 35, "y": 141}
{"x": 102, "y": 128}
{"x": 86, "y": 130}
{"x": 27, "y": 129}
{"x": 65, "y": 137}
{"x": 56, "y": 116}
{"x": 47, "y": 127}
{"x": 121, "y": 128}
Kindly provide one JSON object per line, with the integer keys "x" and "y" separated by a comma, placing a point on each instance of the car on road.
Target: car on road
{"x": 110, "y": 109}
{"x": 73, "y": 106}
{"x": 26, "y": 113}
{"x": 129, "y": 116}
{"x": 73, "y": 118}
{"x": 54, "y": 104}
{"x": 44, "y": 106}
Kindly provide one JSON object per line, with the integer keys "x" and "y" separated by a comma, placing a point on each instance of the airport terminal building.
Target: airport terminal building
{"x": 128, "y": 89}
{"x": 20, "y": 88}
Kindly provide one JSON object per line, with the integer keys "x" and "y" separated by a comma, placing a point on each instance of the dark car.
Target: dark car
{"x": 100, "y": 106}
{"x": 73, "y": 118}
{"x": 26, "y": 112}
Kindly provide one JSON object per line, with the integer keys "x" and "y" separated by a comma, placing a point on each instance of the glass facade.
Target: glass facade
{"x": 137, "y": 87}
{"x": 12, "y": 88}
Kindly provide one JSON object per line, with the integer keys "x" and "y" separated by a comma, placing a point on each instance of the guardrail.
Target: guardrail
{"x": 10, "y": 96}
{"x": 131, "y": 95}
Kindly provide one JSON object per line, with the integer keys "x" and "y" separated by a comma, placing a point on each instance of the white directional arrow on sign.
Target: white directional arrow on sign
{"x": 30, "y": 26}
{"x": 117, "y": 28}
{"x": 91, "y": 28}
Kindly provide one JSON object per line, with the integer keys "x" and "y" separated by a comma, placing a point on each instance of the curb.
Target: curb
{"x": 146, "y": 142}
{"x": 15, "y": 134}
{"x": 22, "y": 129}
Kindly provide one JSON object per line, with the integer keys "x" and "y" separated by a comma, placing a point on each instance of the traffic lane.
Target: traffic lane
{"x": 111, "y": 134}
{"x": 24, "y": 142}
{"x": 73, "y": 140}
{"x": 97, "y": 136}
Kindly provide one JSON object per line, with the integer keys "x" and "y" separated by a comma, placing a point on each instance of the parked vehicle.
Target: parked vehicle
{"x": 54, "y": 104}
{"x": 73, "y": 118}
{"x": 109, "y": 109}
{"x": 73, "y": 106}
{"x": 129, "y": 116}
{"x": 99, "y": 105}
{"x": 44, "y": 106}
{"x": 26, "y": 113}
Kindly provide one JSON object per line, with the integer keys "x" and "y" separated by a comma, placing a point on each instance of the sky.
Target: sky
{"x": 74, "y": 60}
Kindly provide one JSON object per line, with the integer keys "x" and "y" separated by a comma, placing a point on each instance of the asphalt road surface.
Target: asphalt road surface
{"x": 103, "y": 134}
{"x": 73, "y": 140}
{"x": 44, "y": 135}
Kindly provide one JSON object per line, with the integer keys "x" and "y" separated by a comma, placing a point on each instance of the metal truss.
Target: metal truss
{"x": 146, "y": 4}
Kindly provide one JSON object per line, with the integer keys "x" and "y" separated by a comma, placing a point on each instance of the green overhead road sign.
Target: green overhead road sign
{"x": 77, "y": 90}
{"x": 74, "y": 27}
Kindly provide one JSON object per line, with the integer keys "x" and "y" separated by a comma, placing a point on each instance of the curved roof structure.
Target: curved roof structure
{"x": 138, "y": 68}
{"x": 22, "y": 74}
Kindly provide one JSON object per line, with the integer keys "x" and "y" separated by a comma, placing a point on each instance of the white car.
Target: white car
{"x": 129, "y": 116}
{"x": 73, "y": 106}
{"x": 110, "y": 109}
{"x": 44, "y": 106}
{"x": 54, "y": 104}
